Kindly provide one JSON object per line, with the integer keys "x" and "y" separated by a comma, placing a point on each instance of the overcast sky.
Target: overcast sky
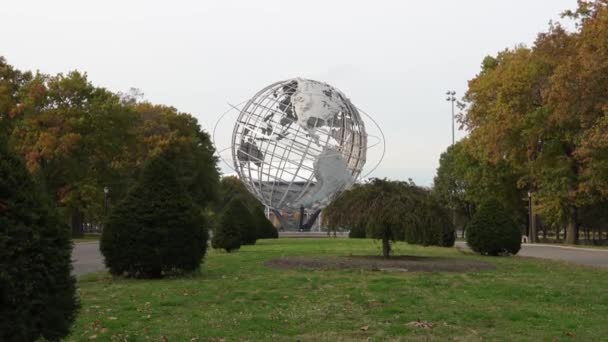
{"x": 394, "y": 59}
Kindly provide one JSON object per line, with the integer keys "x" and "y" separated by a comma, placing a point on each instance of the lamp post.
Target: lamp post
{"x": 106, "y": 190}
{"x": 451, "y": 98}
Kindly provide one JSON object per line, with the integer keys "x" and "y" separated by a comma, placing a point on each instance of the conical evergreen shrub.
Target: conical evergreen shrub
{"x": 157, "y": 230}
{"x": 246, "y": 221}
{"x": 234, "y": 222}
{"x": 263, "y": 227}
{"x": 37, "y": 293}
{"x": 492, "y": 231}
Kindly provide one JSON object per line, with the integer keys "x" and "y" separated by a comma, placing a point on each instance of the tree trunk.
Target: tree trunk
{"x": 77, "y": 222}
{"x": 544, "y": 232}
{"x": 386, "y": 244}
{"x": 572, "y": 227}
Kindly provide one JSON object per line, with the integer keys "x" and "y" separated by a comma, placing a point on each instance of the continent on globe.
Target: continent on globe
{"x": 316, "y": 105}
{"x": 332, "y": 177}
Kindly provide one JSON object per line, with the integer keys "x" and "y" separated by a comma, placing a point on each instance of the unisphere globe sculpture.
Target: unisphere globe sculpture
{"x": 297, "y": 143}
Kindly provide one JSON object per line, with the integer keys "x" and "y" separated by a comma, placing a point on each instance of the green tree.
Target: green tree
{"x": 75, "y": 139}
{"x": 390, "y": 210}
{"x": 231, "y": 188}
{"x": 37, "y": 292}
{"x": 157, "y": 229}
{"x": 432, "y": 224}
{"x": 543, "y": 110}
{"x": 463, "y": 182}
{"x": 233, "y": 222}
{"x": 492, "y": 231}
{"x": 11, "y": 83}
{"x": 162, "y": 129}
{"x": 263, "y": 227}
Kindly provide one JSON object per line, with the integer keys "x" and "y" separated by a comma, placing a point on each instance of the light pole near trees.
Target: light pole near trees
{"x": 106, "y": 190}
{"x": 451, "y": 98}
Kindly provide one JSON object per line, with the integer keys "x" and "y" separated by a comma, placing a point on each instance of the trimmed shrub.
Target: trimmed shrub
{"x": 157, "y": 230}
{"x": 492, "y": 231}
{"x": 233, "y": 222}
{"x": 263, "y": 227}
{"x": 37, "y": 293}
{"x": 357, "y": 232}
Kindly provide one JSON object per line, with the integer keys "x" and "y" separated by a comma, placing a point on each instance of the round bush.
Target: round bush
{"x": 37, "y": 293}
{"x": 157, "y": 230}
{"x": 492, "y": 231}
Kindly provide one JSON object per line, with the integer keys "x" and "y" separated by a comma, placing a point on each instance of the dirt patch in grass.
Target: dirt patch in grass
{"x": 376, "y": 263}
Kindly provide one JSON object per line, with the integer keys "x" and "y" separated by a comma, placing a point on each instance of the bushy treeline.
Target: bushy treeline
{"x": 389, "y": 211}
{"x": 77, "y": 139}
{"x": 62, "y": 142}
{"x": 538, "y": 123}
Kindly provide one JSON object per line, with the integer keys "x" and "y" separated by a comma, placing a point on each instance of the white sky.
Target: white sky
{"x": 394, "y": 59}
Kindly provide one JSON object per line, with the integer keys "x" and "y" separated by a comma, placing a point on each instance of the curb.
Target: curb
{"x": 566, "y": 247}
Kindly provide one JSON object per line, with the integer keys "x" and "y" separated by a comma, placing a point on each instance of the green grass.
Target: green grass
{"x": 235, "y": 297}
{"x": 87, "y": 238}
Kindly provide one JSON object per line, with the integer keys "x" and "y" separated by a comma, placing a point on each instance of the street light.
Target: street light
{"x": 451, "y": 98}
{"x": 106, "y": 190}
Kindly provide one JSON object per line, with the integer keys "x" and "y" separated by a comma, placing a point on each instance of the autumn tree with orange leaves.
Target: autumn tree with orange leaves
{"x": 544, "y": 110}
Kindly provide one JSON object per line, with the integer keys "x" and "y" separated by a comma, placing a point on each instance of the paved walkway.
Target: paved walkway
{"x": 576, "y": 255}
{"x": 87, "y": 258}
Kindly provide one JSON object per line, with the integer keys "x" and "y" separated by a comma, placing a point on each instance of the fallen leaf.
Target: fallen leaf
{"x": 420, "y": 324}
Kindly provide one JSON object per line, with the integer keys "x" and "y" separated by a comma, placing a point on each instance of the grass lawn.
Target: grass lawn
{"x": 87, "y": 238}
{"x": 236, "y": 297}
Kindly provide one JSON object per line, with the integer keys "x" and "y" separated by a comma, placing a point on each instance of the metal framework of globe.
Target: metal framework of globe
{"x": 297, "y": 143}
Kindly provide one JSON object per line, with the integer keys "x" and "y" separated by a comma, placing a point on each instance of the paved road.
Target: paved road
{"x": 581, "y": 256}
{"x": 87, "y": 258}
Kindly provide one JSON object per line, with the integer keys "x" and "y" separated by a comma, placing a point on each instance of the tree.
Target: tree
{"x": 231, "y": 188}
{"x": 157, "y": 229}
{"x": 75, "y": 139}
{"x": 263, "y": 227}
{"x": 249, "y": 232}
{"x": 11, "y": 83}
{"x": 162, "y": 129}
{"x": 389, "y": 210}
{"x": 37, "y": 292}
{"x": 232, "y": 224}
{"x": 543, "y": 111}
{"x": 463, "y": 182}
{"x": 492, "y": 231}
{"x": 432, "y": 225}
